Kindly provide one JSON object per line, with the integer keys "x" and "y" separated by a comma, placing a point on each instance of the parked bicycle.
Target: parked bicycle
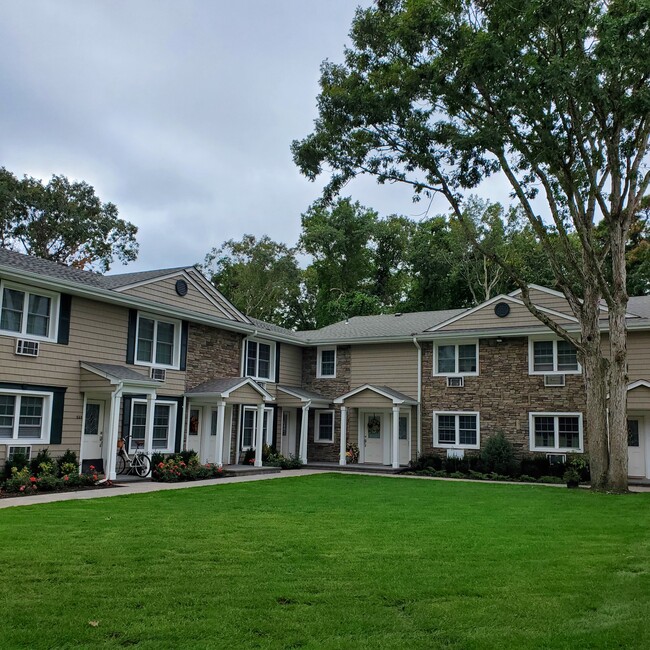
{"x": 137, "y": 463}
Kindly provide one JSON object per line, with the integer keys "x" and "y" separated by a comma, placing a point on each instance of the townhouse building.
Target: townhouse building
{"x": 162, "y": 359}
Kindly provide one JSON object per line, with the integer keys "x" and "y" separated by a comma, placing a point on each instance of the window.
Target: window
{"x": 25, "y": 417}
{"x": 555, "y": 432}
{"x": 326, "y": 363}
{"x": 553, "y": 356}
{"x": 164, "y": 418}
{"x": 324, "y": 426}
{"x": 456, "y": 430}
{"x": 27, "y": 313}
{"x": 456, "y": 359}
{"x": 157, "y": 342}
{"x": 403, "y": 427}
{"x": 259, "y": 360}
{"x": 249, "y": 426}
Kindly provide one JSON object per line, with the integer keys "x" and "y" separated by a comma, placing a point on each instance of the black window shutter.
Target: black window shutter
{"x": 56, "y": 426}
{"x": 277, "y": 362}
{"x": 184, "y": 336}
{"x": 179, "y": 426}
{"x": 130, "y": 343}
{"x": 126, "y": 416}
{"x": 65, "y": 304}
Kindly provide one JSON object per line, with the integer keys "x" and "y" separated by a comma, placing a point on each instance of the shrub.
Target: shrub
{"x": 538, "y": 465}
{"x": 278, "y": 460}
{"x": 43, "y": 457}
{"x": 19, "y": 461}
{"x": 426, "y": 461}
{"x": 174, "y": 469}
{"x": 550, "y": 479}
{"x": 68, "y": 458}
{"x": 351, "y": 453}
{"x": 498, "y": 455}
{"x": 249, "y": 456}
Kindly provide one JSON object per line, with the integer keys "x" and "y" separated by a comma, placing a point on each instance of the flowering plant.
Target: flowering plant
{"x": 351, "y": 453}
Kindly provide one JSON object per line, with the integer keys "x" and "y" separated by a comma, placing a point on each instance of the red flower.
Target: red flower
{"x": 92, "y": 468}
{"x": 32, "y": 479}
{"x": 220, "y": 469}
{"x": 66, "y": 478}
{"x": 94, "y": 477}
{"x": 161, "y": 465}
{"x": 22, "y": 488}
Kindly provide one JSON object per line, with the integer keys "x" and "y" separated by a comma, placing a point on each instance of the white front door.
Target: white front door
{"x": 636, "y": 447}
{"x": 373, "y": 430}
{"x": 288, "y": 441}
{"x": 93, "y": 434}
{"x": 404, "y": 439}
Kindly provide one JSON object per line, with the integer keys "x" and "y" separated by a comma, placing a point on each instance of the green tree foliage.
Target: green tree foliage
{"x": 260, "y": 277}
{"x": 63, "y": 221}
{"x": 554, "y": 95}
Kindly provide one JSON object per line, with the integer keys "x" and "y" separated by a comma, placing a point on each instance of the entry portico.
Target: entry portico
{"x": 384, "y": 424}
{"x": 638, "y": 427}
{"x": 217, "y": 397}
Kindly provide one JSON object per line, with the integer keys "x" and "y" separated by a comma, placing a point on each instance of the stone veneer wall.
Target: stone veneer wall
{"x": 212, "y": 353}
{"x": 329, "y": 388}
{"x": 503, "y": 393}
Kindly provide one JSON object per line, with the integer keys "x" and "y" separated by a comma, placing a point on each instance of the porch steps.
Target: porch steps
{"x": 374, "y": 469}
{"x": 249, "y": 470}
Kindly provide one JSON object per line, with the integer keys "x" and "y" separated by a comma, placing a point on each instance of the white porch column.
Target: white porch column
{"x": 221, "y": 419}
{"x": 110, "y": 440}
{"x": 344, "y": 431}
{"x": 303, "y": 433}
{"x": 395, "y": 437}
{"x": 259, "y": 439}
{"x": 148, "y": 436}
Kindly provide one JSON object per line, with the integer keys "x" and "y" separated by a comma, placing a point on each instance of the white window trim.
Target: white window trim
{"x": 456, "y": 445}
{"x": 555, "y": 449}
{"x": 319, "y": 362}
{"x": 171, "y": 431}
{"x": 54, "y": 311}
{"x": 531, "y": 358}
{"x": 176, "y": 355}
{"x": 46, "y": 418}
{"x": 456, "y": 343}
{"x": 317, "y": 416}
{"x": 266, "y": 434}
{"x": 244, "y": 363}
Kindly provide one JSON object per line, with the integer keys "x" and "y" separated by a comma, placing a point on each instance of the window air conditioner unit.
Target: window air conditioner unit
{"x": 16, "y": 451}
{"x": 556, "y": 459}
{"x": 27, "y": 348}
{"x": 455, "y": 382}
{"x": 553, "y": 380}
{"x": 158, "y": 374}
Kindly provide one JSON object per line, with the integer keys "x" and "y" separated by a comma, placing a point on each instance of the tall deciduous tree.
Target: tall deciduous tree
{"x": 555, "y": 95}
{"x": 63, "y": 221}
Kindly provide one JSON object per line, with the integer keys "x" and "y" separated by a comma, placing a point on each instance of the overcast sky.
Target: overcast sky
{"x": 181, "y": 112}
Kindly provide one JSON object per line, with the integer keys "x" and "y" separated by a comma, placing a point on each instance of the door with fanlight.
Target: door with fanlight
{"x": 93, "y": 436}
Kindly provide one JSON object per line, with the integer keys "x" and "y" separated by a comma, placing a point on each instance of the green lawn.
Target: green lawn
{"x": 330, "y": 561}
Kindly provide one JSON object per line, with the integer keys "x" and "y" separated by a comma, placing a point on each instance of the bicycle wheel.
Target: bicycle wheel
{"x": 120, "y": 465}
{"x": 141, "y": 465}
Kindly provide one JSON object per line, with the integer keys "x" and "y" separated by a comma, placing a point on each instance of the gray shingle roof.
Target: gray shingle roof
{"x": 385, "y": 325}
{"x": 121, "y": 373}
{"x": 276, "y": 329}
{"x": 303, "y": 394}
{"x": 218, "y": 385}
{"x": 124, "y": 279}
{"x": 640, "y": 306}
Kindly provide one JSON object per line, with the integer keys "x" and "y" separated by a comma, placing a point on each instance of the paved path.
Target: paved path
{"x": 143, "y": 487}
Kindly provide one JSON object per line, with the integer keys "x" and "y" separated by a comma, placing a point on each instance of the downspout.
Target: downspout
{"x": 184, "y": 425}
{"x": 419, "y": 408}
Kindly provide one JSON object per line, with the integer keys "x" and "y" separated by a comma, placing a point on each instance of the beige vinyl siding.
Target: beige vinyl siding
{"x": 290, "y": 365}
{"x": 164, "y": 291}
{"x": 638, "y": 356}
{"x": 394, "y": 365}
{"x": 369, "y": 399}
{"x": 485, "y": 318}
{"x": 245, "y": 395}
{"x": 549, "y": 301}
{"x": 638, "y": 399}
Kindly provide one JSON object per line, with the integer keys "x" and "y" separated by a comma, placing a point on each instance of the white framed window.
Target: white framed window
{"x": 164, "y": 425}
{"x": 455, "y": 358}
{"x": 552, "y": 356}
{"x": 25, "y": 416}
{"x": 324, "y": 426}
{"x": 158, "y": 342}
{"x": 249, "y": 427}
{"x": 326, "y": 362}
{"x": 556, "y": 432}
{"x": 28, "y": 313}
{"x": 458, "y": 430}
{"x": 259, "y": 360}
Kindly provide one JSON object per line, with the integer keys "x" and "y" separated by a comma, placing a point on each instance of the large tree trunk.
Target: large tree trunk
{"x": 595, "y": 371}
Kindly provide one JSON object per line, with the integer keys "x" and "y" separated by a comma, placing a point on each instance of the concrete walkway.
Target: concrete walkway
{"x": 144, "y": 487}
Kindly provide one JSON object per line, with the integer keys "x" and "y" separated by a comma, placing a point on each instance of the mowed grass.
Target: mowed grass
{"x": 330, "y": 561}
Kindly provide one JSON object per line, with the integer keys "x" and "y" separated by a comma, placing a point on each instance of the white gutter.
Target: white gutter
{"x": 419, "y": 411}
{"x": 184, "y": 425}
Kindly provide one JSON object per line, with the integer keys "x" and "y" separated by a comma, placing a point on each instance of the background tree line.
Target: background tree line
{"x": 358, "y": 263}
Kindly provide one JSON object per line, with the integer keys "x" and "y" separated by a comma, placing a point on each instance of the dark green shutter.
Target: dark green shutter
{"x": 65, "y": 304}
{"x": 184, "y": 336}
{"x": 130, "y": 343}
{"x": 277, "y": 362}
{"x": 126, "y": 416}
{"x": 56, "y": 425}
{"x": 179, "y": 425}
